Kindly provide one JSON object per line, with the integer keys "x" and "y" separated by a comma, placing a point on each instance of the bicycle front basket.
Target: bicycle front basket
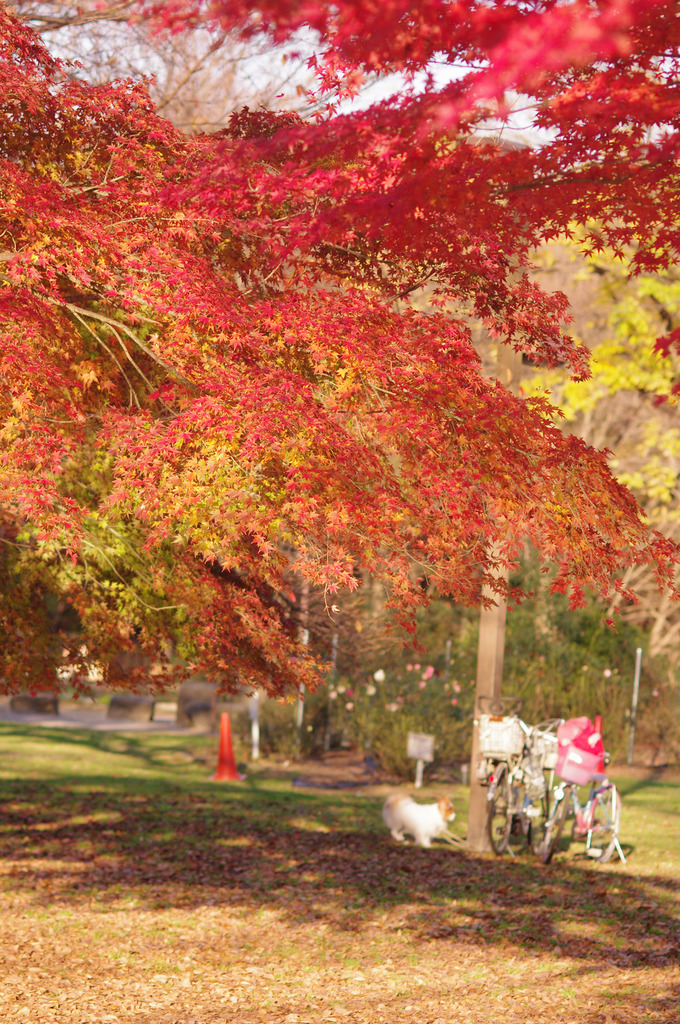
{"x": 578, "y": 766}
{"x": 544, "y": 748}
{"x": 500, "y": 736}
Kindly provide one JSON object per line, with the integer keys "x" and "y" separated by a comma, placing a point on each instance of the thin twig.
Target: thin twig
{"x": 112, "y": 354}
{"x": 111, "y": 322}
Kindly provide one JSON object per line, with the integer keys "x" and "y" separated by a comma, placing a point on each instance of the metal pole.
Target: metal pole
{"x": 304, "y": 637}
{"x": 633, "y": 709}
{"x": 254, "y": 711}
{"x": 329, "y": 704}
{"x": 447, "y": 660}
{"x": 300, "y": 712}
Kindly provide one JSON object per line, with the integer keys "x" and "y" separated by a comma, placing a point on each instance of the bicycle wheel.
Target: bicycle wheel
{"x": 538, "y": 813}
{"x": 606, "y": 823}
{"x": 499, "y": 811}
{"x": 520, "y": 823}
{"x": 553, "y": 828}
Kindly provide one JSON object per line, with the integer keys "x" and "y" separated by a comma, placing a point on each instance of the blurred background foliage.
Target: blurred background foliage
{"x": 560, "y": 663}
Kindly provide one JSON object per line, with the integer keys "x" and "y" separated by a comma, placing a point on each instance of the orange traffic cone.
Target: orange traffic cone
{"x": 226, "y": 765}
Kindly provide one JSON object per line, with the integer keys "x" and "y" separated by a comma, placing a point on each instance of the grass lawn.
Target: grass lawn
{"x": 135, "y": 890}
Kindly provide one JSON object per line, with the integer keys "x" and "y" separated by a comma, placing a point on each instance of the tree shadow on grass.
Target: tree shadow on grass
{"x": 122, "y": 835}
{"x": 317, "y": 858}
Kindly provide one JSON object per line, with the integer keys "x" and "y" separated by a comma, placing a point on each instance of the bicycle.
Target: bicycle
{"x": 500, "y": 744}
{"x": 598, "y": 821}
{"x": 538, "y": 765}
{"x": 515, "y": 758}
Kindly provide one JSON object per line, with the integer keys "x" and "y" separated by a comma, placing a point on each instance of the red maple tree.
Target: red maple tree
{"x": 214, "y": 349}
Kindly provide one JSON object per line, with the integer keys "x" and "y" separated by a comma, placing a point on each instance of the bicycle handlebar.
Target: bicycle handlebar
{"x": 499, "y": 705}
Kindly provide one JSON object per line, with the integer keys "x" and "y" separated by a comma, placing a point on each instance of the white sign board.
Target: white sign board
{"x": 420, "y": 745}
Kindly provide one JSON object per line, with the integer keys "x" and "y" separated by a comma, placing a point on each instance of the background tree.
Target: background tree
{"x": 196, "y": 81}
{"x": 215, "y": 318}
{"x": 628, "y": 407}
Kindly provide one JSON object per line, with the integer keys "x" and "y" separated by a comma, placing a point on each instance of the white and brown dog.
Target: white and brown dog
{"x": 423, "y": 821}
